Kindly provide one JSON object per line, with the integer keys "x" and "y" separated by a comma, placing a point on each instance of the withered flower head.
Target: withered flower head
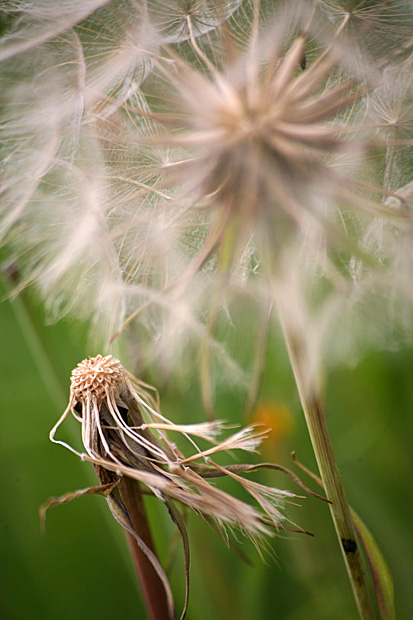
{"x": 125, "y": 436}
{"x": 120, "y": 417}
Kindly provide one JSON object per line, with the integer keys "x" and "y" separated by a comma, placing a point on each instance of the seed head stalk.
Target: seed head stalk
{"x": 314, "y": 414}
{"x": 152, "y": 587}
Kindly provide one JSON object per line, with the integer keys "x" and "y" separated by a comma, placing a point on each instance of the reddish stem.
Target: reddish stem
{"x": 152, "y": 587}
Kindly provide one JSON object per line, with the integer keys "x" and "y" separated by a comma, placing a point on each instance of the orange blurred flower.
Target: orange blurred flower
{"x": 278, "y": 418}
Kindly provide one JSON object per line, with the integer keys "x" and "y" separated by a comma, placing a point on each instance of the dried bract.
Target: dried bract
{"x": 119, "y": 420}
{"x": 125, "y": 435}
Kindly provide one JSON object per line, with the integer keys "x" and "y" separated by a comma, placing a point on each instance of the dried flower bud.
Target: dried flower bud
{"x": 125, "y": 436}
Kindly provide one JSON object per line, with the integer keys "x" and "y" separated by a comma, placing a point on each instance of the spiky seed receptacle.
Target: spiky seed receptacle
{"x": 95, "y": 377}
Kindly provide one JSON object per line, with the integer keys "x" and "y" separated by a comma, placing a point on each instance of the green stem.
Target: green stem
{"x": 327, "y": 465}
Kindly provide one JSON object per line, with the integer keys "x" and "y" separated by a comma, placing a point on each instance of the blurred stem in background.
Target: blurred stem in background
{"x": 311, "y": 402}
{"x": 34, "y": 344}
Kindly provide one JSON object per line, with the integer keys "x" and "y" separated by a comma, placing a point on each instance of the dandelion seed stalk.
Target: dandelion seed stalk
{"x": 327, "y": 465}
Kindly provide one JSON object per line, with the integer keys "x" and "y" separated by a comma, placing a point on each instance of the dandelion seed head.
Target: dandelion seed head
{"x": 260, "y": 132}
{"x": 95, "y": 376}
{"x": 190, "y": 142}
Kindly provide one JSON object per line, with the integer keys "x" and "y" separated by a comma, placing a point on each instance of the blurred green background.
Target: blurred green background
{"x": 81, "y": 568}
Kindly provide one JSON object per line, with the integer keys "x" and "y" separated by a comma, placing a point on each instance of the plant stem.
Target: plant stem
{"x": 152, "y": 587}
{"x": 327, "y": 465}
